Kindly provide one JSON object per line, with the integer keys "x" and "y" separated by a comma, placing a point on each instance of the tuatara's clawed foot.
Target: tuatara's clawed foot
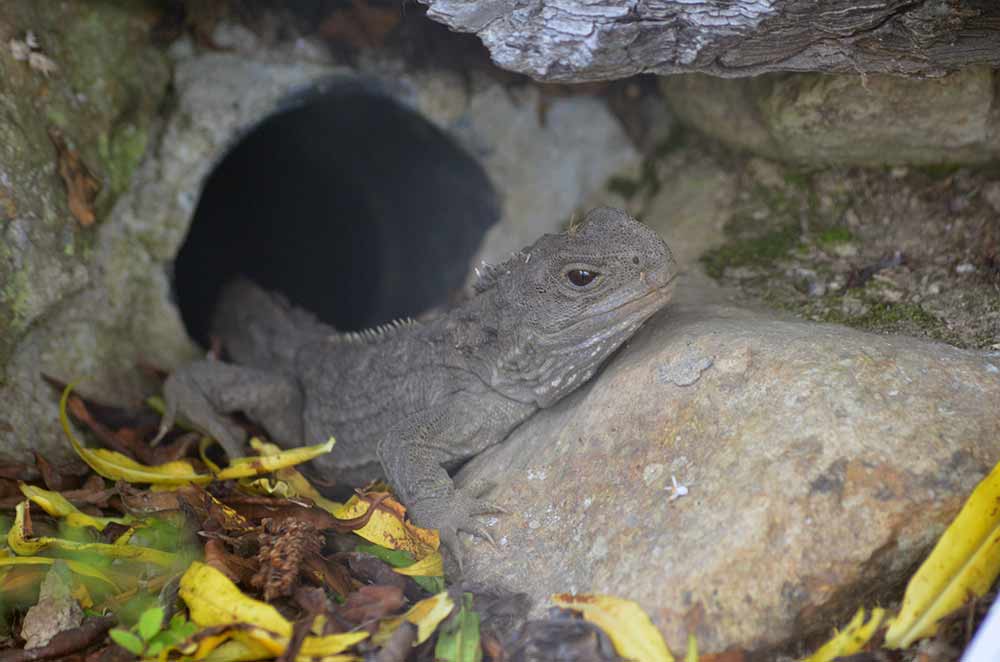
{"x": 189, "y": 393}
{"x": 453, "y": 513}
{"x": 473, "y": 491}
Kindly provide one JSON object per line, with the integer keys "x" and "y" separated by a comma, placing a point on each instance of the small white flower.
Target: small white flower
{"x": 19, "y": 50}
{"x": 676, "y": 490}
{"x": 42, "y": 64}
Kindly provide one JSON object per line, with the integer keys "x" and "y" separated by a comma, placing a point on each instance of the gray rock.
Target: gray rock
{"x": 56, "y": 610}
{"x": 821, "y": 463}
{"x": 847, "y": 119}
{"x": 91, "y": 303}
{"x": 543, "y": 169}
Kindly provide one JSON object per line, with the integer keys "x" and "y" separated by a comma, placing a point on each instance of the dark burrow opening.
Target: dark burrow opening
{"x": 353, "y": 206}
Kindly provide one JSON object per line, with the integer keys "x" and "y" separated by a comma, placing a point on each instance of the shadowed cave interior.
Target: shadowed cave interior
{"x": 353, "y": 206}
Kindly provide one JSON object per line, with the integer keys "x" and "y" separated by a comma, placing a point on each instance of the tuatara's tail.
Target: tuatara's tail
{"x": 262, "y": 329}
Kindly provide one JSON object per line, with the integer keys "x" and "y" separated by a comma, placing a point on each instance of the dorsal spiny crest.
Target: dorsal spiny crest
{"x": 377, "y": 333}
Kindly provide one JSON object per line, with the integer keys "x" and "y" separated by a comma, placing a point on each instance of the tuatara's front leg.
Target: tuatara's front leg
{"x": 204, "y": 391}
{"x": 414, "y": 455}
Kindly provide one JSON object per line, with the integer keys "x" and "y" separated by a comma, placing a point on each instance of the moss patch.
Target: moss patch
{"x": 647, "y": 183}
{"x": 882, "y": 317}
{"x": 887, "y": 251}
{"x": 835, "y": 235}
{"x": 759, "y": 251}
{"x": 110, "y": 82}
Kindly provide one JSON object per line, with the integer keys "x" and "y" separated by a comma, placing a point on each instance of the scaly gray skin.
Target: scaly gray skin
{"x": 412, "y": 400}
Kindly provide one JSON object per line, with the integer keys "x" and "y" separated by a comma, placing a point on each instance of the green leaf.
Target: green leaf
{"x": 154, "y": 648}
{"x": 397, "y": 558}
{"x": 165, "y": 638}
{"x": 127, "y": 640}
{"x": 150, "y": 623}
{"x": 458, "y": 640}
{"x": 178, "y": 620}
{"x": 187, "y": 629}
{"x": 433, "y": 585}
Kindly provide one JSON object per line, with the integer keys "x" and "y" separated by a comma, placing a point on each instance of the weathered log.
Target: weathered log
{"x": 586, "y": 40}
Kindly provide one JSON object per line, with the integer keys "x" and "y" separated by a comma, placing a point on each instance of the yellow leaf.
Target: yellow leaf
{"x": 21, "y": 544}
{"x": 115, "y": 466}
{"x": 429, "y": 566}
{"x": 240, "y": 651}
{"x": 234, "y": 641}
{"x": 77, "y": 567}
{"x": 426, "y": 615}
{"x": 296, "y": 485}
{"x": 244, "y": 467}
{"x": 852, "y": 639}
{"x": 234, "y": 651}
{"x": 964, "y": 562}
{"x": 390, "y": 529}
{"x": 57, "y": 505}
{"x": 213, "y": 599}
{"x": 330, "y": 644}
{"x": 692, "y": 651}
{"x": 633, "y": 634}
{"x": 81, "y": 594}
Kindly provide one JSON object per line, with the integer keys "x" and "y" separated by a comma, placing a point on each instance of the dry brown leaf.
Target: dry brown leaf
{"x": 59, "y": 478}
{"x": 370, "y": 603}
{"x": 332, "y": 575}
{"x": 8, "y": 208}
{"x": 144, "y": 502}
{"x": 18, "y": 471}
{"x": 726, "y": 656}
{"x": 361, "y": 26}
{"x": 64, "y": 643}
{"x": 81, "y": 186}
{"x": 255, "y": 508}
{"x": 236, "y": 568}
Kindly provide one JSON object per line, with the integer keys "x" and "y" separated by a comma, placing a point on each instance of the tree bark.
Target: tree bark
{"x": 586, "y": 40}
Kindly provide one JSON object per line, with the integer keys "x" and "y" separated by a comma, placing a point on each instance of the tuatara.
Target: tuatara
{"x": 412, "y": 400}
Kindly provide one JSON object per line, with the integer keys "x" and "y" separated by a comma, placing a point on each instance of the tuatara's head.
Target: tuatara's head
{"x": 571, "y": 299}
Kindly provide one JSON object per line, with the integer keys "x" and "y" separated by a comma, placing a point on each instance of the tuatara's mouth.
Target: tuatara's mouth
{"x": 635, "y": 310}
{"x": 655, "y": 298}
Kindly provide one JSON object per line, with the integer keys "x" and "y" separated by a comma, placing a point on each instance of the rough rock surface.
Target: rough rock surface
{"x": 821, "y": 461}
{"x": 906, "y": 250}
{"x": 847, "y": 119}
{"x": 604, "y": 39}
{"x": 116, "y": 309}
{"x": 56, "y": 610}
{"x": 543, "y": 167}
{"x": 83, "y": 86}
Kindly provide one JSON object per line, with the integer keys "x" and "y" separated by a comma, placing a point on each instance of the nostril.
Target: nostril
{"x": 635, "y": 259}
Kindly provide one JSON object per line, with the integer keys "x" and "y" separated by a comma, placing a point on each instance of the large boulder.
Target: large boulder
{"x": 846, "y": 119}
{"x": 79, "y": 87}
{"x": 821, "y": 463}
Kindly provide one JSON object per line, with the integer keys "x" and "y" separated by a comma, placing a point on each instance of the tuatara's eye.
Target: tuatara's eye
{"x": 581, "y": 277}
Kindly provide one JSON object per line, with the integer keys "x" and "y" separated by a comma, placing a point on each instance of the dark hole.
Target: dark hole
{"x": 353, "y": 206}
